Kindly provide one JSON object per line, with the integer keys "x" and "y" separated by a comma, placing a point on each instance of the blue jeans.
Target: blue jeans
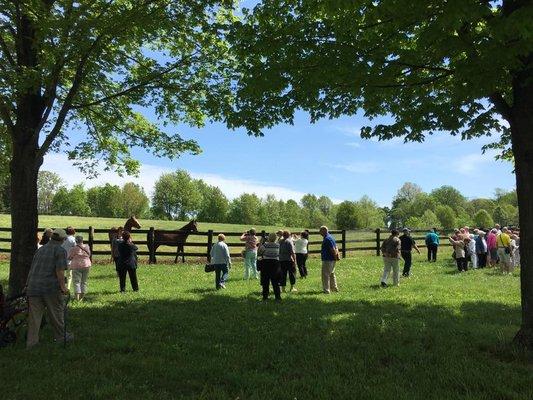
{"x": 221, "y": 274}
{"x": 250, "y": 264}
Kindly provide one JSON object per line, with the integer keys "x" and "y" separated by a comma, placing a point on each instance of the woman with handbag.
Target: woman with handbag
{"x": 221, "y": 261}
{"x": 80, "y": 262}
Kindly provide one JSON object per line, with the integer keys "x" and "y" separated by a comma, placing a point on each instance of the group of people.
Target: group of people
{"x": 275, "y": 259}
{"x": 477, "y": 248}
{"x": 481, "y": 248}
{"x": 62, "y": 258}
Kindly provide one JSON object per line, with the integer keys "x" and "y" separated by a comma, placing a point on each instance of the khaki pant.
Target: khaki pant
{"x": 329, "y": 281}
{"x": 391, "y": 263}
{"x": 505, "y": 261}
{"x": 53, "y": 304}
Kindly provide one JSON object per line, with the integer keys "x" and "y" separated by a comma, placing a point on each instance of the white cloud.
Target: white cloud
{"x": 470, "y": 163}
{"x": 232, "y": 187}
{"x": 354, "y": 144}
{"x": 358, "y": 167}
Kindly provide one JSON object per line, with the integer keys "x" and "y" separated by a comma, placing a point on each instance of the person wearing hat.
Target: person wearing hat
{"x": 45, "y": 288}
{"x": 481, "y": 249}
{"x": 407, "y": 244}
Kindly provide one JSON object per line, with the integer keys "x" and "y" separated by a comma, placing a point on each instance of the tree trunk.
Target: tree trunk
{"x": 24, "y": 216}
{"x": 522, "y": 139}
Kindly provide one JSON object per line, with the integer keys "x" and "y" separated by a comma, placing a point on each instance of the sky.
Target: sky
{"x": 326, "y": 158}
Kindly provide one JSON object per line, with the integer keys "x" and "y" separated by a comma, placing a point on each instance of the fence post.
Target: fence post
{"x": 263, "y": 236}
{"x": 209, "y": 244}
{"x": 378, "y": 242}
{"x": 91, "y": 241}
{"x": 151, "y": 246}
{"x": 344, "y": 243}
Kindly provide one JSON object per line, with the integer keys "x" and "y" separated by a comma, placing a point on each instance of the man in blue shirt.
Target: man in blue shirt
{"x": 329, "y": 255}
{"x": 432, "y": 243}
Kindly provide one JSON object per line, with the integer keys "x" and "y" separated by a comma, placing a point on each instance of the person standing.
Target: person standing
{"x": 117, "y": 238}
{"x": 127, "y": 262}
{"x": 47, "y": 234}
{"x": 515, "y": 245}
{"x": 220, "y": 258}
{"x": 250, "y": 254}
{"x": 492, "y": 247}
{"x": 459, "y": 247}
{"x": 329, "y": 256}
{"x": 300, "y": 246}
{"x": 68, "y": 244}
{"x": 80, "y": 262}
{"x": 407, "y": 245}
{"x": 503, "y": 241}
{"x": 432, "y": 243}
{"x": 45, "y": 288}
{"x": 270, "y": 267}
{"x": 390, "y": 248}
{"x": 287, "y": 260}
{"x": 481, "y": 249}
{"x": 471, "y": 246}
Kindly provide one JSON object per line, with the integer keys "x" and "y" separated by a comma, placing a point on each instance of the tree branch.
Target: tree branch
{"x": 5, "y": 114}
{"x": 501, "y": 106}
{"x": 5, "y": 50}
{"x": 144, "y": 82}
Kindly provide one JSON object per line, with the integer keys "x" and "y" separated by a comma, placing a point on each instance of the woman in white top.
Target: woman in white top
{"x": 220, "y": 258}
{"x": 300, "y": 246}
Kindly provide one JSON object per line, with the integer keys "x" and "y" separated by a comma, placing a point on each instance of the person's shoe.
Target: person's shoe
{"x": 336, "y": 290}
{"x": 383, "y": 284}
{"x": 326, "y": 291}
{"x": 278, "y": 298}
{"x": 69, "y": 337}
{"x": 222, "y": 286}
{"x": 293, "y": 289}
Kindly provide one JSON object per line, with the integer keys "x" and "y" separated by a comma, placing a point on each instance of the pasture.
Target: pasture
{"x": 440, "y": 335}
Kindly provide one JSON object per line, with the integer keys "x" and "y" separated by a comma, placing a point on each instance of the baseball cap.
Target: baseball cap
{"x": 59, "y": 234}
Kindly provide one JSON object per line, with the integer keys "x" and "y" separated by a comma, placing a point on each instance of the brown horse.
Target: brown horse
{"x": 171, "y": 238}
{"x": 130, "y": 223}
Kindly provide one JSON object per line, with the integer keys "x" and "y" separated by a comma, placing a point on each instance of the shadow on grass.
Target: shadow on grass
{"x": 305, "y": 348}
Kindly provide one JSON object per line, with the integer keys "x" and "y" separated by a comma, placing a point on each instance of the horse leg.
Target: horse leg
{"x": 182, "y": 254}
{"x": 177, "y": 254}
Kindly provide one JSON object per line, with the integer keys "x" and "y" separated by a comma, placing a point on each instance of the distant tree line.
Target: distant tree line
{"x": 178, "y": 196}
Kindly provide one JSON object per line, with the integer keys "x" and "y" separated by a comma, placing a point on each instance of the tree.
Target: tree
{"x": 92, "y": 65}
{"x": 428, "y": 67}
{"x": 506, "y": 215}
{"x": 449, "y": 196}
{"x": 105, "y": 201}
{"x": 408, "y": 191}
{"x": 325, "y": 205}
{"x": 482, "y": 219}
{"x": 292, "y": 214}
{"x": 369, "y": 215}
{"x": 446, "y": 217}
{"x": 245, "y": 209}
{"x": 429, "y": 220}
{"x": 506, "y": 197}
{"x": 476, "y": 205}
{"x": 347, "y": 217}
{"x": 48, "y": 183}
{"x": 133, "y": 201}
{"x": 176, "y": 195}
{"x": 71, "y": 202}
{"x": 215, "y": 205}
{"x": 269, "y": 212}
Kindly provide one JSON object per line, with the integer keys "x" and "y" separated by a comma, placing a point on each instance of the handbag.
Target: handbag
{"x": 209, "y": 267}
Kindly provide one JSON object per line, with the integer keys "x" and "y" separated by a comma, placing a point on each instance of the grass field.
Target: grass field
{"x": 440, "y": 335}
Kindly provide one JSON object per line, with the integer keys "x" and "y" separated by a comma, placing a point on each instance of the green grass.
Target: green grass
{"x": 440, "y": 335}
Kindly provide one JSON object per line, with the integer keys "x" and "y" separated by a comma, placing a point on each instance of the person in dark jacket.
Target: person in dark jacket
{"x": 127, "y": 262}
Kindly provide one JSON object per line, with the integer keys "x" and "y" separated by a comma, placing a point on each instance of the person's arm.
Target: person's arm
{"x": 243, "y": 237}
{"x": 416, "y": 247}
{"x": 228, "y": 256}
{"x": 60, "y": 274}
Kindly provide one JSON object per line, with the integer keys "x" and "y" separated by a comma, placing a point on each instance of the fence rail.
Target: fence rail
{"x": 98, "y": 241}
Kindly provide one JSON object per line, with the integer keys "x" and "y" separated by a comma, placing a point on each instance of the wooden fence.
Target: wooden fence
{"x": 347, "y": 241}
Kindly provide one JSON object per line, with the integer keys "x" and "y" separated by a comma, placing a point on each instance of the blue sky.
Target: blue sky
{"x": 327, "y": 157}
